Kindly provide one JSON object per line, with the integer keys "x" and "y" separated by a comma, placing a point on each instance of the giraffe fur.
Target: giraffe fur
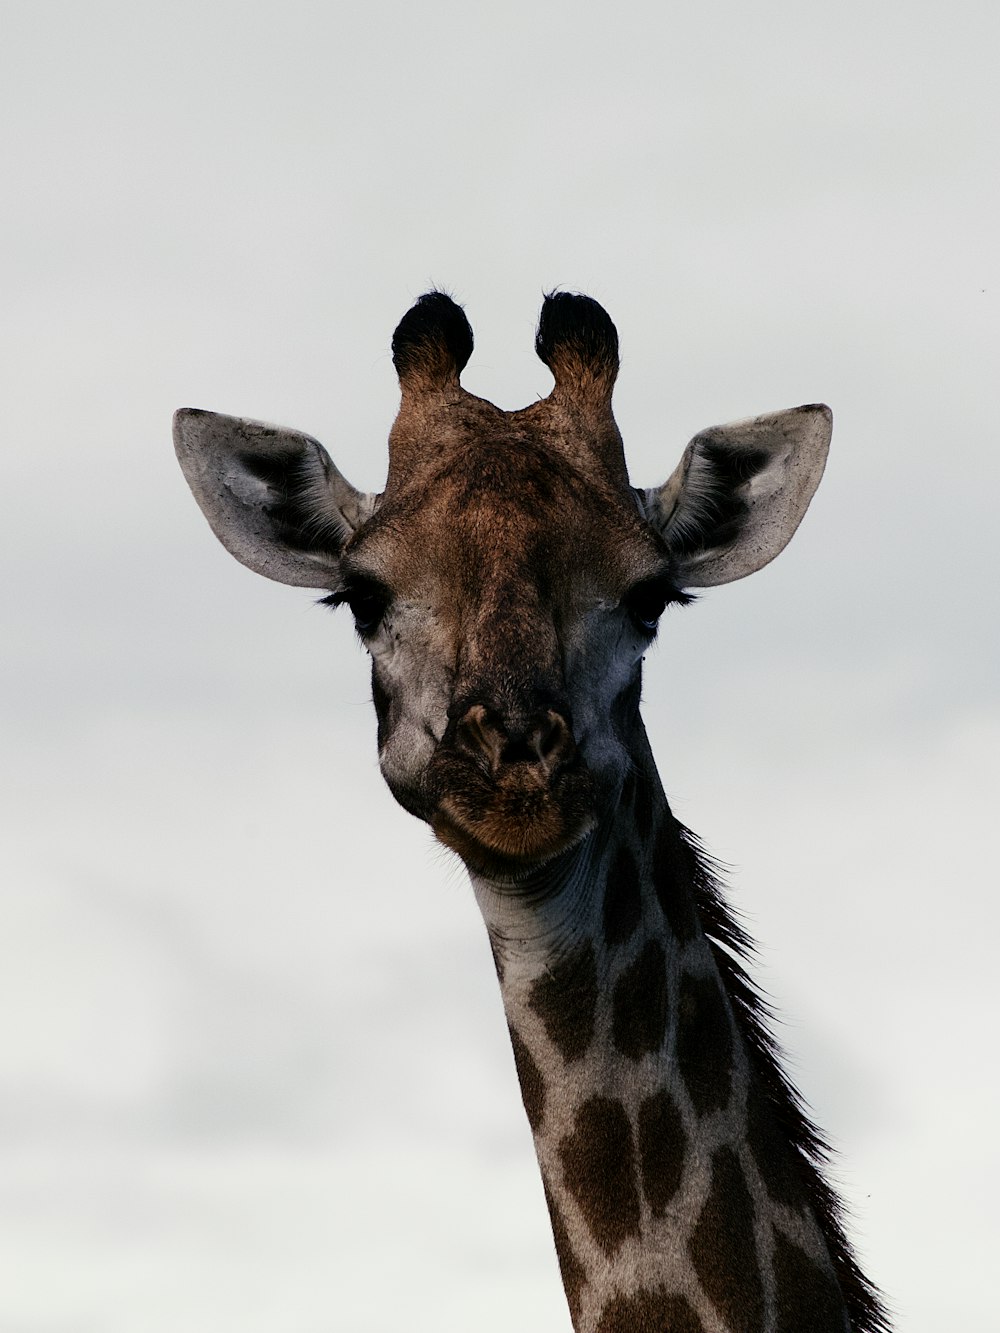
{"x": 507, "y": 583}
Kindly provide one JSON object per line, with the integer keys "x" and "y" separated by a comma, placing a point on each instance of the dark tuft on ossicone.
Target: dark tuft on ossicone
{"x": 433, "y": 340}
{"x": 576, "y": 337}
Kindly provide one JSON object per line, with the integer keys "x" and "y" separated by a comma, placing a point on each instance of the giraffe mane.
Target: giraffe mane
{"x": 732, "y": 947}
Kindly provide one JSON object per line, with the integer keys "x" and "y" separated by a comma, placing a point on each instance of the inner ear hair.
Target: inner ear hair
{"x": 739, "y": 493}
{"x": 713, "y": 505}
{"x": 298, "y": 504}
{"x": 272, "y": 496}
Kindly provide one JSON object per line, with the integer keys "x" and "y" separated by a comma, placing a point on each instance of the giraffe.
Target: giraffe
{"x": 507, "y": 584}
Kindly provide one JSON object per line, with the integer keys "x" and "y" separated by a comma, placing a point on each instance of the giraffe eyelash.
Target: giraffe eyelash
{"x": 368, "y": 600}
{"x": 647, "y": 601}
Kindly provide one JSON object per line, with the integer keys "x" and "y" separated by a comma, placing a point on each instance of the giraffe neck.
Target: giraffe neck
{"x": 665, "y": 1134}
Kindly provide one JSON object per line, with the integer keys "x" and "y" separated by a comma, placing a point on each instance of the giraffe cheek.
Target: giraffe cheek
{"x": 406, "y": 751}
{"x": 411, "y": 701}
{"x": 382, "y": 700}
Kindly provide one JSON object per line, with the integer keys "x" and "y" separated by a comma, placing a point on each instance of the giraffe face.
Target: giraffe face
{"x": 506, "y": 595}
{"x": 509, "y": 579}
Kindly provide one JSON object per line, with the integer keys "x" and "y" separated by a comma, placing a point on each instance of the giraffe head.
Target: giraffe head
{"x": 509, "y": 579}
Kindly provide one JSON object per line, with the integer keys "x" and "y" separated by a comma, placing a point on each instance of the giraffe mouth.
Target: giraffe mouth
{"x": 507, "y": 822}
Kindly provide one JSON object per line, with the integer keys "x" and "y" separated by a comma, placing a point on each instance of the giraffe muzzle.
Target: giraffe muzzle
{"x": 508, "y": 797}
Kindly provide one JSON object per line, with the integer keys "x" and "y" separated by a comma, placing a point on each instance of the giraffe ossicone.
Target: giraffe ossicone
{"x": 507, "y": 583}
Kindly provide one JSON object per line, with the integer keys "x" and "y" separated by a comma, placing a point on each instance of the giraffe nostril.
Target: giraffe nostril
{"x": 545, "y": 741}
{"x": 552, "y": 740}
{"x": 480, "y": 737}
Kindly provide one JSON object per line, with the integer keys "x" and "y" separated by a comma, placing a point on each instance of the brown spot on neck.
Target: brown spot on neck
{"x": 662, "y": 1148}
{"x": 565, "y": 999}
{"x": 724, "y": 1251}
{"x": 574, "y": 1277}
{"x": 639, "y": 1003}
{"x": 807, "y": 1297}
{"x": 776, "y": 1160}
{"x": 649, "y": 1312}
{"x": 598, "y": 1162}
{"x": 704, "y": 1042}
{"x": 530, "y": 1078}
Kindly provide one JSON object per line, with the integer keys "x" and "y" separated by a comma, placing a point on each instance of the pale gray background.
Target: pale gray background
{"x": 253, "y": 1068}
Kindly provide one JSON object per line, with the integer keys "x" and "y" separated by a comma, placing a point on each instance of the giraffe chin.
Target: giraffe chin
{"x": 507, "y": 825}
{"x": 516, "y": 826}
{"x": 508, "y": 858}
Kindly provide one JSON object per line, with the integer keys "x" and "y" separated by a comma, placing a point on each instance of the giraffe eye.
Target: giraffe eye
{"x": 646, "y": 602}
{"x": 368, "y": 601}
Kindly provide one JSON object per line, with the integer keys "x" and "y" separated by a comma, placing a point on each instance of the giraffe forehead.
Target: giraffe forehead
{"x": 501, "y": 510}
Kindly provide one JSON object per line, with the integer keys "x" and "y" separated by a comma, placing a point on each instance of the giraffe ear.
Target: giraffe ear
{"x": 272, "y": 497}
{"x": 739, "y": 493}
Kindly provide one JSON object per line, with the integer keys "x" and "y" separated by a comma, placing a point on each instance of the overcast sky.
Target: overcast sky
{"x": 254, "y": 1073}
